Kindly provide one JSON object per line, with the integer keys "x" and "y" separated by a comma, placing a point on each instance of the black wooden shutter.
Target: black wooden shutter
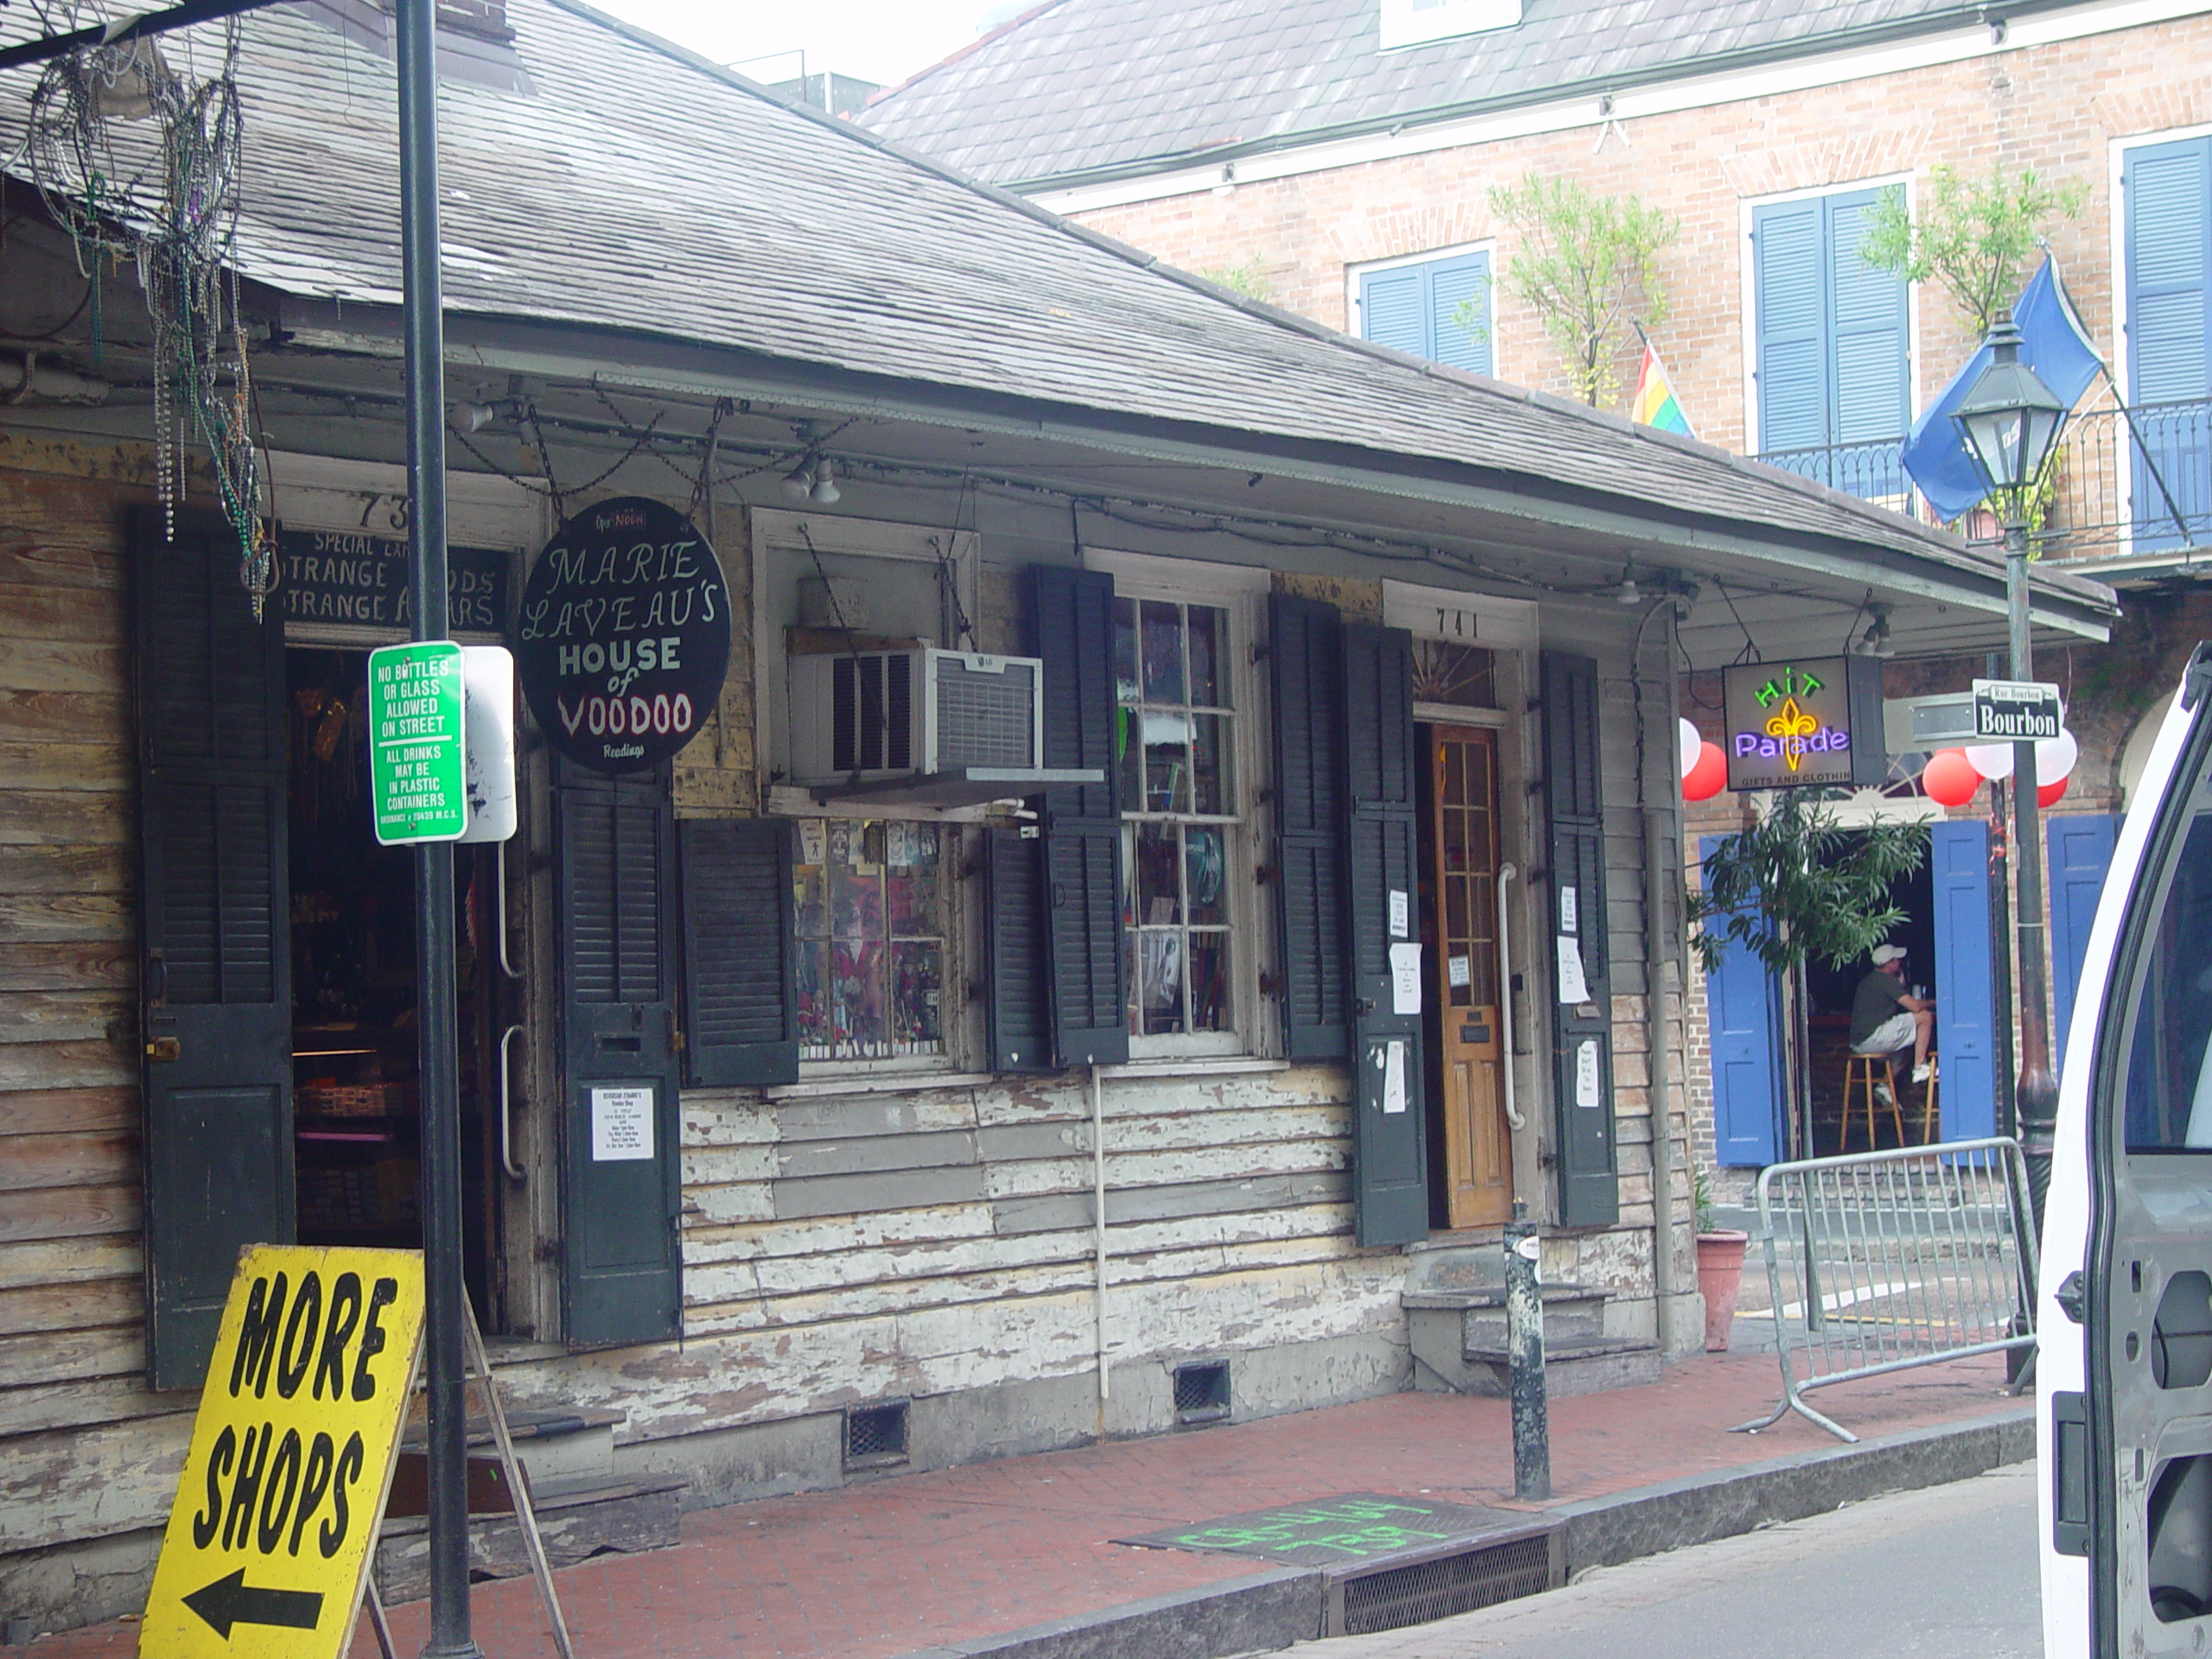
{"x": 1305, "y": 652}
{"x": 1016, "y": 952}
{"x": 1582, "y": 1048}
{"x": 739, "y": 1003}
{"x": 1390, "y": 1147}
{"x": 1071, "y": 628}
{"x": 622, "y": 1279}
{"x": 216, "y": 979}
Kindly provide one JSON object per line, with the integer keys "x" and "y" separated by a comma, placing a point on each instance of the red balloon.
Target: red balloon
{"x": 2047, "y": 794}
{"x": 1949, "y": 777}
{"x": 1709, "y": 776}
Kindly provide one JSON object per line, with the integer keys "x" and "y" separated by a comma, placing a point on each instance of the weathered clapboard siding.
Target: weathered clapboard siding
{"x": 73, "y": 1460}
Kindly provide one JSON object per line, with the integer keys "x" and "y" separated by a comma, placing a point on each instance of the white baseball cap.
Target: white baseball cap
{"x": 1887, "y": 954}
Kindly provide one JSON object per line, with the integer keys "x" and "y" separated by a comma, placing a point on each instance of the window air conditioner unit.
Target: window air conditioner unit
{"x": 920, "y": 727}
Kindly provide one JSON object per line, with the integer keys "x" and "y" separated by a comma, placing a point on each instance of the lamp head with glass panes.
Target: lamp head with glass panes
{"x": 2010, "y": 419}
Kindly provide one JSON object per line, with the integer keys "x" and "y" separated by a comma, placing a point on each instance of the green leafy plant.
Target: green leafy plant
{"x": 1587, "y": 265}
{"x": 1972, "y": 237}
{"x": 1797, "y": 885}
{"x": 1700, "y": 1203}
{"x": 1249, "y": 279}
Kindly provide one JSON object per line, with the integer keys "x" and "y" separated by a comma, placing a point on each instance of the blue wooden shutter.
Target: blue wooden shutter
{"x": 1071, "y": 628}
{"x": 2168, "y": 189}
{"x": 1589, "y": 1187}
{"x": 740, "y": 1005}
{"x": 2081, "y": 852}
{"x": 1390, "y": 1147}
{"x": 1790, "y": 312}
{"x": 1965, "y": 1015}
{"x": 1869, "y": 353}
{"x": 1306, "y": 654}
{"x": 1743, "y": 1004}
{"x": 1391, "y": 312}
{"x": 1453, "y": 284}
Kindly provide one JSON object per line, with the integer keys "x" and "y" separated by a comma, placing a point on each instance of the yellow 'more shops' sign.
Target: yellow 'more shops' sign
{"x": 291, "y": 1456}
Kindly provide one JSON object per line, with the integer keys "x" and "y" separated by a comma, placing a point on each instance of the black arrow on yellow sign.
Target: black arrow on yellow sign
{"x": 228, "y": 1601}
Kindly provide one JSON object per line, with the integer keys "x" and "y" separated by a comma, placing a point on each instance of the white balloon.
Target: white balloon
{"x": 1689, "y": 743}
{"x": 2055, "y": 757}
{"x": 1993, "y": 761}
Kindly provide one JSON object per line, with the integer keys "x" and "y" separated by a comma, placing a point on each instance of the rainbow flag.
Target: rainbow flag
{"x": 1653, "y": 404}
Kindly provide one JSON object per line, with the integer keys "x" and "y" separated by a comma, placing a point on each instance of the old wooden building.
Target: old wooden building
{"x": 831, "y": 1110}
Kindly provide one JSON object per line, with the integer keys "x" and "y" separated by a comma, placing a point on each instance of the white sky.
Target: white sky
{"x": 883, "y": 40}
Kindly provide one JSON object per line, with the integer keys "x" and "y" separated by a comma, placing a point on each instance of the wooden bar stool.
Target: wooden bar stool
{"x": 1860, "y": 1073}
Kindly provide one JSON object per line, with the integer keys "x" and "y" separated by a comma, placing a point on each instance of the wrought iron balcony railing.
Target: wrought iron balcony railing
{"x": 2113, "y": 491}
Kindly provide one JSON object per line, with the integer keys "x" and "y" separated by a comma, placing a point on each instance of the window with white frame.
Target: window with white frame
{"x": 878, "y": 916}
{"x": 1436, "y": 305}
{"x": 1182, "y": 728}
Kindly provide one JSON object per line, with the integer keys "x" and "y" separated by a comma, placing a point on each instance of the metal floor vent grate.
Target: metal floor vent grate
{"x": 1202, "y": 1392}
{"x": 875, "y": 1435}
{"x": 1392, "y": 1598}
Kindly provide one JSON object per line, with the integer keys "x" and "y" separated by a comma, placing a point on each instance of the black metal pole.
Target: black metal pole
{"x": 2000, "y": 933}
{"x": 1524, "y": 1343}
{"x": 2036, "y": 1098}
{"x": 440, "y": 1082}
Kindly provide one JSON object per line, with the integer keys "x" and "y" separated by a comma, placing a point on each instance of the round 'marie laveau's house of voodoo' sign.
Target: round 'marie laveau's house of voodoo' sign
{"x": 623, "y": 639}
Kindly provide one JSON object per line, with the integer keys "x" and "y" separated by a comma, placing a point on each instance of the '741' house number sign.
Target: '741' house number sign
{"x": 1818, "y": 720}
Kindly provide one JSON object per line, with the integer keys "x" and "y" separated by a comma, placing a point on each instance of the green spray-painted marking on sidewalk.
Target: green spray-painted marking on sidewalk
{"x": 416, "y": 766}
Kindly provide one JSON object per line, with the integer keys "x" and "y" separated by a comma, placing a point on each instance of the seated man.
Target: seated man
{"x": 1886, "y": 1019}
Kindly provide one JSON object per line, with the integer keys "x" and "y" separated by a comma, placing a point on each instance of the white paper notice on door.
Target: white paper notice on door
{"x": 1585, "y": 1073}
{"x": 1573, "y": 988}
{"x": 1405, "y": 979}
{"x": 1458, "y": 970}
{"x": 1394, "y": 1076}
{"x": 1570, "y": 911}
{"x": 1401, "y": 914}
{"x": 621, "y": 1125}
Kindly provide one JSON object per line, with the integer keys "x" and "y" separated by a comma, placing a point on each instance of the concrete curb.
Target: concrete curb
{"x": 1271, "y": 1611}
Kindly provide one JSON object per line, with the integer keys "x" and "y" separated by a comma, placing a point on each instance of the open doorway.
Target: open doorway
{"x": 1830, "y": 991}
{"x": 357, "y": 1106}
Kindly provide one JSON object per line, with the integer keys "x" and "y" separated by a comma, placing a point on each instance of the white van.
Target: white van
{"x": 2123, "y": 1369}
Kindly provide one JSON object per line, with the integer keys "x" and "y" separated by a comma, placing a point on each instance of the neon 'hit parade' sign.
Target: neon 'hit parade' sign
{"x": 1791, "y": 724}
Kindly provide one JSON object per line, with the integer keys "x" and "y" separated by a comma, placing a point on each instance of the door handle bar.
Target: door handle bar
{"x": 499, "y": 887}
{"x": 506, "y": 1104}
{"x": 1506, "y": 873}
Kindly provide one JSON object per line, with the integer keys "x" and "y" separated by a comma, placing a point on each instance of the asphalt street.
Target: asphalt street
{"x": 1948, "y": 1572}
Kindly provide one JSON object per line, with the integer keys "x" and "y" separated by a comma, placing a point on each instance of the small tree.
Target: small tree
{"x": 1249, "y": 278}
{"x": 1587, "y": 265}
{"x": 1795, "y": 886}
{"x": 1972, "y": 236}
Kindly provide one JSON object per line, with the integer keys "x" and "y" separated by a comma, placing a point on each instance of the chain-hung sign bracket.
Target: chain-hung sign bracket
{"x": 417, "y": 762}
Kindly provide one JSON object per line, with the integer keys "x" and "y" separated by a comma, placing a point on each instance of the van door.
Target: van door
{"x": 2128, "y": 1423}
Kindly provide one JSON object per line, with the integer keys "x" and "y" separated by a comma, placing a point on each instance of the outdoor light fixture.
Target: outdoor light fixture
{"x": 825, "y": 489}
{"x": 1876, "y": 641}
{"x": 798, "y": 483}
{"x": 2011, "y": 420}
{"x": 1626, "y": 593}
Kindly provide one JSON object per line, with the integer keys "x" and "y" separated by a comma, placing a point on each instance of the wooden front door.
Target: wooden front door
{"x": 1465, "y": 984}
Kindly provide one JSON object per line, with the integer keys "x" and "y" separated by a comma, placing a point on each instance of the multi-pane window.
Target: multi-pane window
{"x": 1175, "y": 743}
{"x": 870, "y": 904}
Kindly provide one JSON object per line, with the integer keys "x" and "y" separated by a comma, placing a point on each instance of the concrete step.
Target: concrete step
{"x": 1459, "y": 1342}
{"x": 550, "y": 1444}
{"x": 578, "y": 1517}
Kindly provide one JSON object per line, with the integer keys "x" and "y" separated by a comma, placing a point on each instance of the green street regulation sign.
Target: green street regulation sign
{"x": 416, "y": 763}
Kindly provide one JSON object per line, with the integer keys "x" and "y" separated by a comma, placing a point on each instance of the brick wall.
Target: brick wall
{"x": 2051, "y": 108}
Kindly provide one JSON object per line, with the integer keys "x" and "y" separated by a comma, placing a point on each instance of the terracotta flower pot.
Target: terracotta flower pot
{"x": 1719, "y": 1274}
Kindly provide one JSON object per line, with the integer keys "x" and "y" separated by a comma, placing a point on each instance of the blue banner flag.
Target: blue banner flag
{"x": 2053, "y": 343}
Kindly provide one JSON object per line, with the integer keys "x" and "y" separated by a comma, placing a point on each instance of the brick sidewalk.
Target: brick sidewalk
{"x": 882, "y": 1569}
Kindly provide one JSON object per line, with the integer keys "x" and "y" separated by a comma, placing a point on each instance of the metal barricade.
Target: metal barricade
{"x": 1883, "y": 1261}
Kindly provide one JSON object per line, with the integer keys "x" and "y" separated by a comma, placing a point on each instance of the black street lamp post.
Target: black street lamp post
{"x": 2011, "y": 421}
